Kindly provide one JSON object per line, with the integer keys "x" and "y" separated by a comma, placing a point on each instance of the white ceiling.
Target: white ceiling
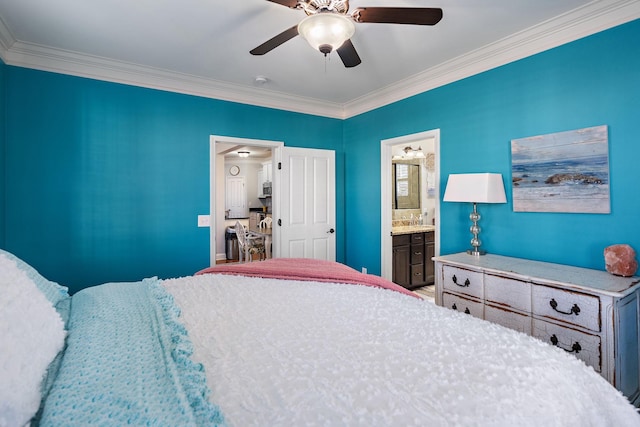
{"x": 230, "y": 151}
{"x": 202, "y": 47}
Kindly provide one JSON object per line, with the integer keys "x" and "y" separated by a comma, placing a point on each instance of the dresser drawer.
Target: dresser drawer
{"x": 510, "y": 293}
{"x": 517, "y": 321}
{"x": 401, "y": 239}
{"x": 585, "y": 347}
{"x": 417, "y": 238}
{"x": 417, "y": 254}
{"x": 417, "y": 274}
{"x": 462, "y": 305}
{"x": 567, "y": 307}
{"x": 462, "y": 281}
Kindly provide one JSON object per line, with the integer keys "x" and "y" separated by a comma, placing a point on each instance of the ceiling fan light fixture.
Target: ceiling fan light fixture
{"x": 326, "y": 31}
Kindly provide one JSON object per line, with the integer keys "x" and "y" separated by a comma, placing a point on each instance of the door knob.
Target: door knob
{"x": 331, "y": 231}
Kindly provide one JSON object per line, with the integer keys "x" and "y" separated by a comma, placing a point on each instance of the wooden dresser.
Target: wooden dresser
{"x": 589, "y": 313}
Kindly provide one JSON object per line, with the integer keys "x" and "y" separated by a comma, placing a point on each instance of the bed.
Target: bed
{"x": 283, "y": 342}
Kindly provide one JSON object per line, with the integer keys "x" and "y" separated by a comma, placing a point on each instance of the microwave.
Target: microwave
{"x": 266, "y": 188}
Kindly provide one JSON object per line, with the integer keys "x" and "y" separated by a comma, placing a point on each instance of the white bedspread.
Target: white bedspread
{"x": 289, "y": 353}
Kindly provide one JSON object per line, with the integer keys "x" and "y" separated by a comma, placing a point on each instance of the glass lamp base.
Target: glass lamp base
{"x": 476, "y": 252}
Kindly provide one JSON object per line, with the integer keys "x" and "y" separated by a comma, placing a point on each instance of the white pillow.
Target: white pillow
{"x": 53, "y": 291}
{"x": 31, "y": 335}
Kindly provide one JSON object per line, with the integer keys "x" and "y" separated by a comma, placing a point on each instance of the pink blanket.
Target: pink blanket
{"x": 308, "y": 270}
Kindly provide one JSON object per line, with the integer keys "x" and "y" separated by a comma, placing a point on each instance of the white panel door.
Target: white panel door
{"x": 308, "y": 211}
{"x": 236, "y": 197}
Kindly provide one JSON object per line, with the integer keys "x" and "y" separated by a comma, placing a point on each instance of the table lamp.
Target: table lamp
{"x": 475, "y": 188}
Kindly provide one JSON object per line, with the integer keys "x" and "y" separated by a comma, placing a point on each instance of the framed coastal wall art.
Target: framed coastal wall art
{"x": 562, "y": 172}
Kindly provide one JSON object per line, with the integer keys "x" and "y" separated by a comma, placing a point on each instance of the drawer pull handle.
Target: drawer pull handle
{"x": 575, "y": 348}
{"x": 417, "y": 253}
{"x": 574, "y": 310}
{"x": 455, "y": 307}
{"x": 454, "y": 279}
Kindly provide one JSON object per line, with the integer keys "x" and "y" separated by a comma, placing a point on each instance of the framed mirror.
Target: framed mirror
{"x": 406, "y": 185}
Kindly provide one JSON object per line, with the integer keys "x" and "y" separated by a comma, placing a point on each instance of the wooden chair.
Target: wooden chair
{"x": 266, "y": 223}
{"x": 249, "y": 244}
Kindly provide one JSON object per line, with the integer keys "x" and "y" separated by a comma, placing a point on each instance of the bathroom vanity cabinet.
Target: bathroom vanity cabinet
{"x": 412, "y": 254}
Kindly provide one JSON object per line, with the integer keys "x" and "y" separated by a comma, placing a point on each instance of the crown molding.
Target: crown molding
{"x": 45, "y": 58}
{"x": 6, "y": 40}
{"x": 593, "y": 17}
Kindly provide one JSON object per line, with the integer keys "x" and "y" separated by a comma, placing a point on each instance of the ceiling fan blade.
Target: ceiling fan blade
{"x": 348, "y": 54}
{"x": 276, "y": 41}
{"x": 399, "y": 15}
{"x": 289, "y": 3}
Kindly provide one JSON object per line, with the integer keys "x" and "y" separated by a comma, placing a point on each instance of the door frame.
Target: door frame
{"x": 386, "y": 242}
{"x": 216, "y": 176}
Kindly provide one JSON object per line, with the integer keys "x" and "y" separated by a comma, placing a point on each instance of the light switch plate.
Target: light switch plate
{"x": 203, "y": 221}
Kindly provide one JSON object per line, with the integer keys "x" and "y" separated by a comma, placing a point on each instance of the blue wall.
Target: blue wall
{"x": 593, "y": 81}
{"x": 2, "y": 149}
{"x": 105, "y": 181}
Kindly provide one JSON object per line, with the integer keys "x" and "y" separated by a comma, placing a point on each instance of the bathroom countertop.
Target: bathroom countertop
{"x": 410, "y": 229}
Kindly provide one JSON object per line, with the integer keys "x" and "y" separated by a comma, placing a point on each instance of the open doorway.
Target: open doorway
{"x": 231, "y": 159}
{"x": 429, "y": 143}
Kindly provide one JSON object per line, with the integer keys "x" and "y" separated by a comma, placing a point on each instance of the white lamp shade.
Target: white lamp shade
{"x": 326, "y": 29}
{"x": 475, "y": 187}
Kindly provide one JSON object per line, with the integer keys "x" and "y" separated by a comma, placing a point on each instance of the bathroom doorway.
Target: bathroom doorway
{"x": 429, "y": 140}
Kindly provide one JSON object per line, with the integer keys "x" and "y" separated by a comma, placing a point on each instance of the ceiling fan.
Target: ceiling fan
{"x": 328, "y": 25}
